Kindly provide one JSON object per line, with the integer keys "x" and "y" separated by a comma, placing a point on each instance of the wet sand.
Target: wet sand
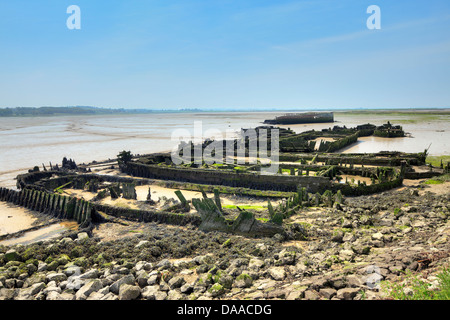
{"x": 14, "y": 218}
{"x": 44, "y": 233}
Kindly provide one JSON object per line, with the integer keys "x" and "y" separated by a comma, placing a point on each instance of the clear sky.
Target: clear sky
{"x": 225, "y": 54}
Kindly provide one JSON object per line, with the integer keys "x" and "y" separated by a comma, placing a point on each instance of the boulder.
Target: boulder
{"x": 347, "y": 293}
{"x": 128, "y": 279}
{"x": 88, "y": 288}
{"x": 277, "y": 273}
{"x": 129, "y": 292}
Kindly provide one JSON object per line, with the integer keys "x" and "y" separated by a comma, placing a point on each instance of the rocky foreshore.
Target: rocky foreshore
{"x": 344, "y": 253}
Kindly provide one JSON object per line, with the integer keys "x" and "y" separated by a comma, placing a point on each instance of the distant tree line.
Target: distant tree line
{"x": 78, "y": 110}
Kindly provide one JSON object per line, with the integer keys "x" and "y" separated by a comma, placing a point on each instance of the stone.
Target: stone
{"x": 338, "y": 282}
{"x": 347, "y": 293}
{"x": 143, "y": 265}
{"x": 277, "y": 273}
{"x": 255, "y": 264}
{"x": 187, "y": 288}
{"x": 297, "y": 293}
{"x": 148, "y": 293}
{"x": 243, "y": 281}
{"x": 205, "y": 259}
{"x": 327, "y": 293}
{"x": 142, "y": 278}
{"x": 160, "y": 295}
{"x": 216, "y": 290}
{"x": 377, "y": 236}
{"x": 42, "y": 266}
{"x": 176, "y": 282}
{"x": 82, "y": 236}
{"x": 36, "y": 288}
{"x": 88, "y": 288}
{"x": 277, "y": 294}
{"x": 91, "y": 274}
{"x": 129, "y": 292}
{"x": 338, "y": 236}
{"x": 311, "y": 295}
{"x": 23, "y": 295}
{"x": 57, "y": 277}
{"x": 10, "y": 283}
{"x": 110, "y": 297}
{"x": 346, "y": 254}
{"x": 53, "y": 295}
{"x": 7, "y": 294}
{"x": 354, "y": 281}
{"x": 142, "y": 243}
{"x": 67, "y": 296}
{"x": 66, "y": 240}
{"x": 128, "y": 279}
{"x": 12, "y": 255}
{"x": 154, "y": 278}
{"x": 349, "y": 237}
{"x": 35, "y": 278}
{"x": 174, "y": 295}
{"x": 164, "y": 264}
{"x": 50, "y": 289}
{"x": 96, "y": 296}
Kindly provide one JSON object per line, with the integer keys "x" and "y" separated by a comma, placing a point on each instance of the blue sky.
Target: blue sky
{"x": 225, "y": 54}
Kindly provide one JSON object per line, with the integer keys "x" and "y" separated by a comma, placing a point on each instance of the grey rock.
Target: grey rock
{"x": 88, "y": 288}
{"x": 110, "y": 296}
{"x": 327, "y": 293}
{"x": 57, "y": 277}
{"x": 347, "y": 293}
{"x": 187, "y": 288}
{"x": 129, "y": 292}
{"x": 53, "y": 295}
{"x": 67, "y": 296}
{"x": 175, "y": 295}
{"x": 311, "y": 295}
{"x": 82, "y": 236}
{"x": 12, "y": 255}
{"x": 96, "y": 296}
{"x": 164, "y": 264}
{"x": 91, "y": 274}
{"x": 142, "y": 278}
{"x": 154, "y": 278}
{"x": 255, "y": 264}
{"x": 128, "y": 279}
{"x": 277, "y": 273}
{"x": 149, "y": 292}
{"x": 7, "y": 294}
{"x": 10, "y": 283}
{"x": 176, "y": 282}
{"x": 42, "y": 266}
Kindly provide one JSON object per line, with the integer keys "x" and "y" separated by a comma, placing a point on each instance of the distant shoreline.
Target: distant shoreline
{"x": 95, "y": 111}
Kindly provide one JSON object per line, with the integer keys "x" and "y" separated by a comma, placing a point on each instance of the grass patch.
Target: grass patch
{"x": 438, "y": 180}
{"x": 415, "y": 289}
{"x": 121, "y": 205}
{"x": 435, "y": 161}
{"x": 244, "y": 207}
{"x": 432, "y": 181}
